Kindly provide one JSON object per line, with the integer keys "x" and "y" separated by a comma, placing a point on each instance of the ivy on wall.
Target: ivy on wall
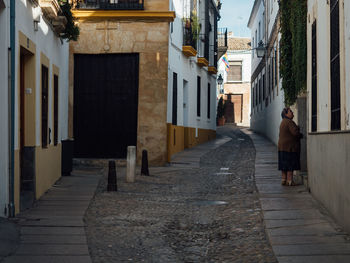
{"x": 71, "y": 31}
{"x": 293, "y": 48}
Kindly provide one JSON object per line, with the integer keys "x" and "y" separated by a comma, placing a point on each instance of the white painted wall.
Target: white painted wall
{"x": 256, "y": 17}
{"x": 188, "y": 70}
{"x": 328, "y": 152}
{"x": 4, "y": 95}
{"x": 57, "y": 52}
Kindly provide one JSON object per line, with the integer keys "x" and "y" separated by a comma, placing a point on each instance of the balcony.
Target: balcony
{"x": 222, "y": 41}
{"x": 50, "y": 8}
{"x": 111, "y": 4}
{"x": 189, "y": 39}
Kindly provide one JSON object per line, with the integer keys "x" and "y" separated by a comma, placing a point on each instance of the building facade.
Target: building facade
{"x": 236, "y": 85}
{"x": 191, "y": 111}
{"x": 119, "y": 79}
{"x": 328, "y": 87}
{"x": 267, "y": 96}
{"x": 34, "y": 106}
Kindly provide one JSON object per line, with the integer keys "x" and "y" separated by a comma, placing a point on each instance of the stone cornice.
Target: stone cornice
{"x": 168, "y": 16}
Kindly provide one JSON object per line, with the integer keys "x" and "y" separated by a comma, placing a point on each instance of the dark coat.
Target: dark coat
{"x": 289, "y": 138}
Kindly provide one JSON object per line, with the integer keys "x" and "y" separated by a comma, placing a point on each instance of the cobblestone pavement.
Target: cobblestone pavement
{"x": 179, "y": 214}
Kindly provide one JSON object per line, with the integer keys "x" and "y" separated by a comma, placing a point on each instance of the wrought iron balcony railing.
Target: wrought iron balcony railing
{"x": 110, "y": 4}
{"x": 189, "y": 37}
{"x": 222, "y": 37}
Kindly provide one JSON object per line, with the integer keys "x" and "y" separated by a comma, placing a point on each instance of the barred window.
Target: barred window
{"x": 55, "y": 109}
{"x": 314, "y": 79}
{"x": 44, "y": 105}
{"x": 335, "y": 66}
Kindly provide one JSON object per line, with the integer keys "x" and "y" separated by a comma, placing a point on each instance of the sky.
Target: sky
{"x": 235, "y": 15}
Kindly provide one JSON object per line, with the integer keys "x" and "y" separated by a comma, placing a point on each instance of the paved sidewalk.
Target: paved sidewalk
{"x": 298, "y": 227}
{"x": 53, "y": 231}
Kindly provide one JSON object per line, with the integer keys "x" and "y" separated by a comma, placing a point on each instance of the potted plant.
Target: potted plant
{"x": 220, "y": 113}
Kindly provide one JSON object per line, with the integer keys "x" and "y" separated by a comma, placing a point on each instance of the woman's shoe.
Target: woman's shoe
{"x": 291, "y": 183}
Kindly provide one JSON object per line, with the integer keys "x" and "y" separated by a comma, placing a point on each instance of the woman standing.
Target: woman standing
{"x": 288, "y": 147}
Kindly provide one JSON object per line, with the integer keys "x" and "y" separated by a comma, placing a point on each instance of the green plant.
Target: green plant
{"x": 221, "y": 108}
{"x": 293, "y": 48}
{"x": 71, "y": 31}
{"x": 195, "y": 25}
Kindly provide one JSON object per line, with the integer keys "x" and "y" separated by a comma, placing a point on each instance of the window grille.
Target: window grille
{"x": 174, "y": 119}
{"x": 314, "y": 79}
{"x": 55, "y": 109}
{"x": 44, "y": 105}
{"x": 198, "y": 96}
{"x": 335, "y": 66}
{"x": 208, "y": 108}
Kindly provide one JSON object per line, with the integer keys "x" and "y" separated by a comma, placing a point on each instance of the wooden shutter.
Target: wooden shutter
{"x": 235, "y": 71}
{"x": 314, "y": 79}
{"x": 174, "y": 121}
{"x": 44, "y": 104}
{"x": 335, "y": 66}
{"x": 55, "y": 109}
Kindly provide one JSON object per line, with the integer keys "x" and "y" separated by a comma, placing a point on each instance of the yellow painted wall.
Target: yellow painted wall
{"x": 186, "y": 138}
{"x": 47, "y": 168}
{"x": 176, "y": 139}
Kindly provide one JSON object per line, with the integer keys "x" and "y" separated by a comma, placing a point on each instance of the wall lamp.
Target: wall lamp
{"x": 260, "y": 50}
{"x": 220, "y": 81}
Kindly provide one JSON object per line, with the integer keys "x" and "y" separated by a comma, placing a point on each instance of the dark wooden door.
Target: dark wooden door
{"x": 105, "y": 104}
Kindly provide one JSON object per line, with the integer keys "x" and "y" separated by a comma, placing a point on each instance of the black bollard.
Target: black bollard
{"x": 112, "y": 177}
{"x": 144, "y": 167}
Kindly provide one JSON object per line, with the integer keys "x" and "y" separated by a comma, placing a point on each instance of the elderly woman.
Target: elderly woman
{"x": 288, "y": 147}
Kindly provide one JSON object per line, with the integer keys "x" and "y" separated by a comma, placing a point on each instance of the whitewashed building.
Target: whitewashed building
{"x": 191, "y": 114}
{"x": 236, "y": 84}
{"x": 39, "y": 83}
{"x": 4, "y": 106}
{"x": 267, "y": 96}
{"x": 328, "y": 86}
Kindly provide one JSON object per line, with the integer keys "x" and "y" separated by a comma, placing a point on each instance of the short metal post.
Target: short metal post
{"x": 131, "y": 164}
{"x": 112, "y": 177}
{"x": 144, "y": 167}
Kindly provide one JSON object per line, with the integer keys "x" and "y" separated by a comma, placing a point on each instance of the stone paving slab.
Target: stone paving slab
{"x": 53, "y": 249}
{"x": 48, "y": 259}
{"x": 315, "y": 259}
{"x": 53, "y": 239}
{"x": 54, "y": 230}
{"x": 299, "y": 228}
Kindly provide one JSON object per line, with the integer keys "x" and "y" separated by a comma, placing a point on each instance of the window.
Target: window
{"x": 253, "y": 46}
{"x": 335, "y": 66}
{"x": 198, "y": 96}
{"x": 314, "y": 79}
{"x": 260, "y": 90}
{"x": 55, "y": 109}
{"x": 44, "y": 105}
{"x": 256, "y": 94}
{"x": 235, "y": 71}
{"x": 259, "y": 31}
{"x": 263, "y": 83}
{"x": 276, "y": 78}
{"x": 208, "y": 108}
{"x": 174, "y": 119}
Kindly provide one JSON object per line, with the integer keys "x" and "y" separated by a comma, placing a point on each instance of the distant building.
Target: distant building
{"x": 236, "y": 86}
{"x": 267, "y": 96}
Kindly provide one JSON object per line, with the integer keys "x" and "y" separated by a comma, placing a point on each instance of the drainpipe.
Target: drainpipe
{"x": 12, "y": 108}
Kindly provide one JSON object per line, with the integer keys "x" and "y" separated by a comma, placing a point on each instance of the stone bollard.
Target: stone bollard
{"x": 112, "y": 177}
{"x": 131, "y": 164}
{"x": 144, "y": 167}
